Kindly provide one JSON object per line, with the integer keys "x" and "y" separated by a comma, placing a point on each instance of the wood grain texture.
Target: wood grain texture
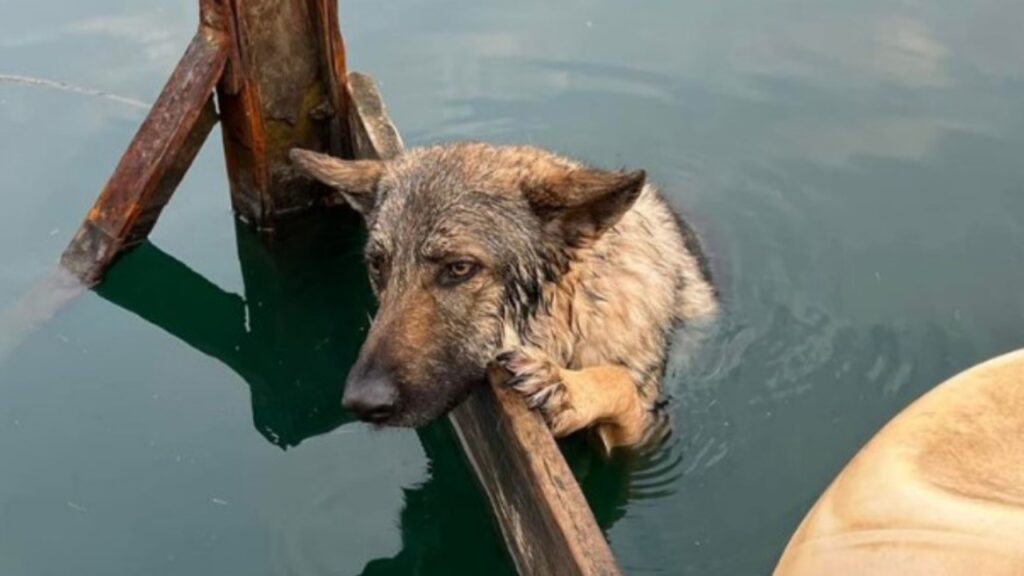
{"x": 154, "y": 163}
{"x": 373, "y": 134}
{"x": 547, "y": 525}
{"x": 283, "y": 91}
{"x": 544, "y": 518}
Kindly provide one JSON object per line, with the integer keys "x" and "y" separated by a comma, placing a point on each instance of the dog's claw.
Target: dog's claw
{"x": 538, "y": 399}
{"x": 537, "y": 379}
{"x": 505, "y": 357}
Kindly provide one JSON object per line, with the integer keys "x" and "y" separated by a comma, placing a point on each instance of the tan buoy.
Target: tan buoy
{"x": 938, "y": 492}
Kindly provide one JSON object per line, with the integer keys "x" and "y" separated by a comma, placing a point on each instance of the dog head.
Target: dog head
{"x": 462, "y": 239}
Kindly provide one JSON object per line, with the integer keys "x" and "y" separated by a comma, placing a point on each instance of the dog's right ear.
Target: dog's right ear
{"x": 356, "y": 179}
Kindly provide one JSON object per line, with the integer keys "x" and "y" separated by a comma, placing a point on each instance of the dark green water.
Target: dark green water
{"x": 855, "y": 167}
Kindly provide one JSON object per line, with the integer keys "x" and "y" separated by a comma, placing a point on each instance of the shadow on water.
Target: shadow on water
{"x": 292, "y": 338}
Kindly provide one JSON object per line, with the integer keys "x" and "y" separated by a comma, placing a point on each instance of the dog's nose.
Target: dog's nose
{"x": 371, "y": 397}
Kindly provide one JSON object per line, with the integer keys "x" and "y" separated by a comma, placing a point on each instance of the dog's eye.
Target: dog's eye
{"x": 458, "y": 271}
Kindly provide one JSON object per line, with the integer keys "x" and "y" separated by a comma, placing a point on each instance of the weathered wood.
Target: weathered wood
{"x": 545, "y": 520}
{"x": 333, "y": 68}
{"x": 283, "y": 91}
{"x": 546, "y": 523}
{"x": 155, "y": 161}
{"x": 373, "y": 134}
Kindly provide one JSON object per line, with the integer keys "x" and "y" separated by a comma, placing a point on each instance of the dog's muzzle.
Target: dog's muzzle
{"x": 372, "y": 396}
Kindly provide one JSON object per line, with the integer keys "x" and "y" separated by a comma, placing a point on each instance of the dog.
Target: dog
{"x": 569, "y": 277}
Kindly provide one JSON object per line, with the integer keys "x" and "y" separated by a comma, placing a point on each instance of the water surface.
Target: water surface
{"x": 853, "y": 166}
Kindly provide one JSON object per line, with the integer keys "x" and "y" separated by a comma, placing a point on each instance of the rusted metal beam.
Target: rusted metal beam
{"x": 284, "y": 90}
{"x": 155, "y": 161}
{"x": 546, "y": 523}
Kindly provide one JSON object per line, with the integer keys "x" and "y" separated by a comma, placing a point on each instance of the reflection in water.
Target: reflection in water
{"x": 292, "y": 338}
{"x": 611, "y": 483}
{"x": 40, "y": 302}
{"x": 444, "y": 518}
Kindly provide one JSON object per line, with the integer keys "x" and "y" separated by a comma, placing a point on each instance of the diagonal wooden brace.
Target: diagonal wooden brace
{"x": 154, "y": 163}
{"x": 278, "y": 68}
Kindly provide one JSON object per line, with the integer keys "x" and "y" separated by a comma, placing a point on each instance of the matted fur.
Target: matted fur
{"x": 576, "y": 279}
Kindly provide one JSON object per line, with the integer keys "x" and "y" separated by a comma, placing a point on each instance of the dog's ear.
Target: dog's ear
{"x": 356, "y": 179}
{"x": 580, "y": 204}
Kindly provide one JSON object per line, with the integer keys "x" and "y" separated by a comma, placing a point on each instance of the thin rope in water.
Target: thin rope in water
{"x": 73, "y": 88}
{"x": 53, "y": 290}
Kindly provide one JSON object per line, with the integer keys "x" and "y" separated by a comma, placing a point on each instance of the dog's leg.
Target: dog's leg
{"x": 603, "y": 397}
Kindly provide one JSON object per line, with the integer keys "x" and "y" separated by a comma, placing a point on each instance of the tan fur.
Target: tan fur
{"x": 607, "y": 398}
{"x": 579, "y": 277}
{"x": 607, "y": 325}
{"x": 939, "y": 491}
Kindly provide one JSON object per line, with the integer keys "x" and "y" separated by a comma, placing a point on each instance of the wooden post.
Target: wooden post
{"x": 157, "y": 158}
{"x": 546, "y": 523}
{"x": 284, "y": 89}
{"x": 278, "y": 67}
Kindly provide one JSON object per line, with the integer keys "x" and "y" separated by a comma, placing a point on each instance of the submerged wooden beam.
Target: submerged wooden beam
{"x": 155, "y": 161}
{"x": 285, "y": 89}
{"x": 545, "y": 521}
{"x": 544, "y": 518}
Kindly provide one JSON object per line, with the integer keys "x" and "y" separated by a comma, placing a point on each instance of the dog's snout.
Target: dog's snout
{"x": 372, "y": 397}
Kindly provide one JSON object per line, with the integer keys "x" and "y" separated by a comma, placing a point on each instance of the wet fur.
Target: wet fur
{"x": 585, "y": 274}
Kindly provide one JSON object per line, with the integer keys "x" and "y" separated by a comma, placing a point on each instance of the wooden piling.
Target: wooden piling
{"x": 285, "y": 90}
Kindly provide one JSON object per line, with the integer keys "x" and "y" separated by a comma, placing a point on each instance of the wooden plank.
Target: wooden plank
{"x": 333, "y": 69}
{"x": 154, "y": 163}
{"x": 545, "y": 520}
{"x": 373, "y": 134}
{"x": 283, "y": 91}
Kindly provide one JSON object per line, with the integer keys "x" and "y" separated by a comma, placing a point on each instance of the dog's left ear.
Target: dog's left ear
{"x": 356, "y": 179}
{"x": 580, "y": 204}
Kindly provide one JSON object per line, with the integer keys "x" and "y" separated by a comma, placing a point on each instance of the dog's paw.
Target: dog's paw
{"x": 533, "y": 375}
{"x": 539, "y": 381}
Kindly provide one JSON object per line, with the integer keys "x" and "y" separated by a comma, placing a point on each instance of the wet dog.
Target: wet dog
{"x": 572, "y": 278}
